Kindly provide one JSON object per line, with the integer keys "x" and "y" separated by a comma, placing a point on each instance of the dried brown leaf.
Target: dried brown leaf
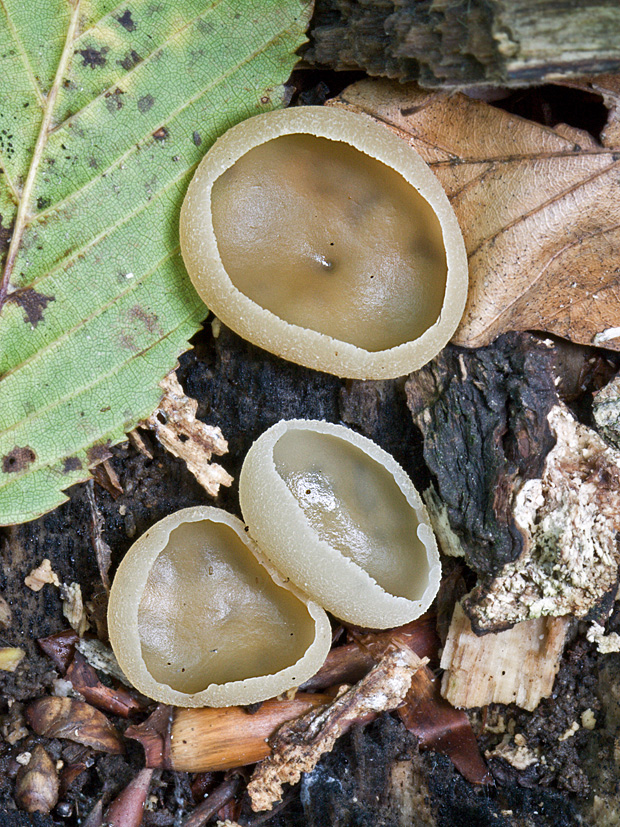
{"x": 539, "y": 208}
{"x": 178, "y": 430}
{"x": 60, "y": 648}
{"x": 75, "y": 720}
{"x": 299, "y": 745}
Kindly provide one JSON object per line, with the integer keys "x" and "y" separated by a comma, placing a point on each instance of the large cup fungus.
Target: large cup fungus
{"x": 324, "y": 238}
{"x": 339, "y": 517}
{"x": 201, "y": 613}
{"x": 197, "y": 617}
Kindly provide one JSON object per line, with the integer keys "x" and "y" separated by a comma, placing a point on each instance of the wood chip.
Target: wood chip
{"x": 570, "y": 519}
{"x": 40, "y": 576}
{"x": 176, "y": 427}
{"x": 73, "y": 607}
{"x": 516, "y": 666}
{"x": 10, "y": 658}
{"x": 6, "y": 615}
{"x": 298, "y": 746}
{"x": 103, "y": 553}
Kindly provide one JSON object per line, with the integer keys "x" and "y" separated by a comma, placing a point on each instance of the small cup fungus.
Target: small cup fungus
{"x": 339, "y": 517}
{"x": 324, "y": 238}
{"x": 197, "y": 617}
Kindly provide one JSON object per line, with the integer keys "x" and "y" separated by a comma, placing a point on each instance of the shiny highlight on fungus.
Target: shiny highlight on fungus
{"x": 324, "y": 238}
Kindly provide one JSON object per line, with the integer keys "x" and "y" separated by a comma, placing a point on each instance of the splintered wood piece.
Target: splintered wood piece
{"x": 206, "y": 739}
{"x": 298, "y": 746}
{"x": 516, "y": 666}
{"x": 176, "y": 427}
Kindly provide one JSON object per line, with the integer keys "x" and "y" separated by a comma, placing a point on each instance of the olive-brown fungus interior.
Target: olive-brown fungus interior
{"x": 354, "y": 504}
{"x": 210, "y": 613}
{"x": 331, "y": 239}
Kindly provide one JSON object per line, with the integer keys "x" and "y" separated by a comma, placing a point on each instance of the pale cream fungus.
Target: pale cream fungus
{"x": 321, "y": 236}
{"x": 203, "y": 597}
{"x": 331, "y": 239}
{"x": 355, "y": 505}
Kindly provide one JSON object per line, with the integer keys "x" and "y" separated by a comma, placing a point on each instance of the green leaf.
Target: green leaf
{"x": 105, "y": 111}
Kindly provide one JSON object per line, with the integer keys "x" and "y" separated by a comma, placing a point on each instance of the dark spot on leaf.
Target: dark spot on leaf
{"x": 128, "y": 342}
{"x": 32, "y": 303}
{"x": 5, "y": 236}
{"x": 130, "y": 60}
{"x": 265, "y": 100}
{"x": 94, "y": 57}
{"x": 98, "y": 453}
{"x": 113, "y": 100}
{"x": 145, "y": 103}
{"x": 161, "y": 134}
{"x": 196, "y": 138}
{"x": 149, "y": 320}
{"x": 43, "y": 203}
{"x": 18, "y": 459}
{"x": 126, "y": 21}
{"x": 93, "y": 163}
{"x": 71, "y": 464}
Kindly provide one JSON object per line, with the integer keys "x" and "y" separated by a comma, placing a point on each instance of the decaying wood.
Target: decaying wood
{"x": 201, "y": 740}
{"x": 298, "y": 746}
{"x": 606, "y": 410}
{"x": 180, "y": 432}
{"x": 539, "y": 208}
{"x": 455, "y": 44}
{"x": 570, "y": 519}
{"x": 516, "y": 666}
{"x": 75, "y": 720}
{"x": 483, "y": 415}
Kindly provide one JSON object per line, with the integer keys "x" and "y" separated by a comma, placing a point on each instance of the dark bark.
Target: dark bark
{"x": 483, "y": 415}
{"x": 460, "y": 43}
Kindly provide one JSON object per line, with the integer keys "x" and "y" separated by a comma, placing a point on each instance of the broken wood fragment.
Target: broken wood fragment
{"x": 180, "y": 432}
{"x": 206, "y": 739}
{"x": 10, "y": 658}
{"x": 298, "y": 746}
{"x": 40, "y": 576}
{"x": 515, "y": 666}
{"x": 75, "y": 720}
{"x": 85, "y": 681}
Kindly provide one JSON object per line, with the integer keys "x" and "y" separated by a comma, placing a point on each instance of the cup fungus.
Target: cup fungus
{"x": 324, "y": 238}
{"x": 339, "y": 517}
{"x": 197, "y": 617}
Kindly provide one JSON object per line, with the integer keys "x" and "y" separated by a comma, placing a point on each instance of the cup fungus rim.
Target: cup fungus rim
{"x": 263, "y": 327}
{"x": 377, "y": 608}
{"x": 135, "y": 568}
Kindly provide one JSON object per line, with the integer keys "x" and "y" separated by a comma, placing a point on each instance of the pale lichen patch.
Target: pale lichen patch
{"x": 570, "y": 519}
